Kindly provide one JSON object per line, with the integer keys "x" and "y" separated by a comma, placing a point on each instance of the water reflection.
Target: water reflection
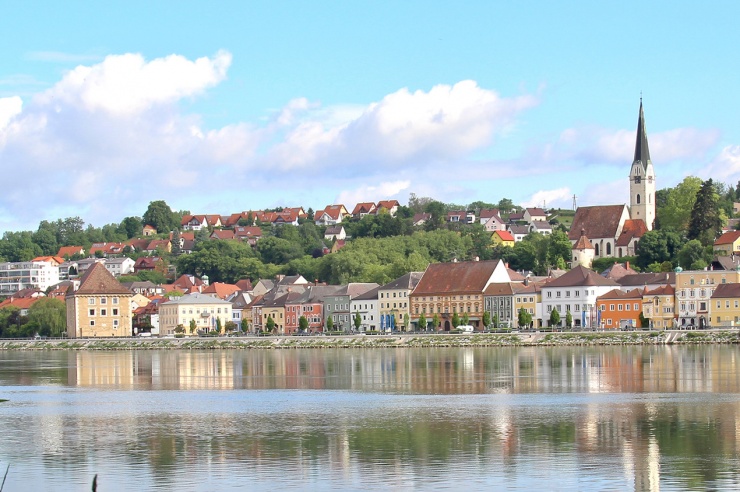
{"x": 637, "y": 418}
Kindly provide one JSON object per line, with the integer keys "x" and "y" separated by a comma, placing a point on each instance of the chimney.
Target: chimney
{"x": 628, "y": 265}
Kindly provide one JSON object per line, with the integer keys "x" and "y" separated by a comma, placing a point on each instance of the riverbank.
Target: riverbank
{"x": 366, "y": 341}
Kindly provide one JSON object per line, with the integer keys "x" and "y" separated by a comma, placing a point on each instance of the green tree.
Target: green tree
{"x": 524, "y": 318}
{"x": 422, "y": 322}
{"x": 568, "y": 319}
{"x": 644, "y": 322}
{"x": 465, "y": 319}
{"x": 303, "y": 324}
{"x": 270, "y": 324}
{"x": 357, "y": 320}
{"x": 694, "y": 256}
{"x": 487, "y": 320}
{"x": 193, "y": 326}
{"x": 438, "y": 212}
{"x": 244, "y": 325}
{"x": 657, "y": 246}
{"x": 706, "y": 219}
{"x": 176, "y": 249}
{"x": 405, "y": 321}
{"x": 160, "y": 216}
{"x": 678, "y": 204}
{"x": 218, "y": 325}
{"x": 455, "y": 320}
{"x": 48, "y": 316}
{"x": 554, "y": 318}
{"x": 131, "y": 227}
{"x": 329, "y": 324}
{"x": 435, "y": 321}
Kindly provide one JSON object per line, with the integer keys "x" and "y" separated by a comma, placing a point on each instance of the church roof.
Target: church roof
{"x": 598, "y": 222}
{"x": 583, "y": 243}
{"x": 642, "y": 152}
{"x": 633, "y": 228}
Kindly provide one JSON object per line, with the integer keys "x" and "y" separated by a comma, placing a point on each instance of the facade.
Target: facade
{"x": 447, "y": 289}
{"x": 40, "y": 274}
{"x": 725, "y": 306}
{"x": 366, "y": 305}
{"x": 100, "y": 307}
{"x": 575, "y": 291}
{"x": 120, "y": 266}
{"x": 530, "y": 299}
{"x": 728, "y": 243}
{"x": 491, "y": 220}
{"x": 203, "y": 309}
{"x": 620, "y": 310}
{"x": 337, "y": 304}
{"x": 694, "y": 289}
{"x": 393, "y": 300}
{"x": 503, "y": 238}
{"x": 659, "y": 307}
{"x": 500, "y": 304}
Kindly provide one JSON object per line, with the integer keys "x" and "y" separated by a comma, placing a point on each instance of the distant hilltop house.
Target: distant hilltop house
{"x": 614, "y": 230}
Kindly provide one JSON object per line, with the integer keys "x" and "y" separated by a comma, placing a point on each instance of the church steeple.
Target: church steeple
{"x": 642, "y": 177}
{"x": 642, "y": 152}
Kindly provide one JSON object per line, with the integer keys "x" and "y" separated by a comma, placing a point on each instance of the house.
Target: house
{"x": 119, "y": 266}
{"x": 188, "y": 283}
{"x": 70, "y": 251}
{"x": 725, "y": 306}
{"x": 331, "y": 215}
{"x": 146, "y": 318}
{"x": 576, "y": 292}
{"x": 529, "y": 298}
{"x": 393, "y": 300}
{"x": 100, "y": 307}
{"x": 499, "y": 302}
{"x": 534, "y": 214}
{"x": 194, "y": 312}
{"x": 540, "y": 227}
{"x": 40, "y": 273}
{"x": 728, "y": 243}
{"x": 363, "y": 209}
{"x": 107, "y": 249}
{"x": 446, "y": 289}
{"x": 149, "y": 264}
{"x": 420, "y": 219}
{"x": 159, "y": 245}
{"x": 338, "y": 244}
{"x": 503, "y": 238}
{"x": 694, "y": 289}
{"x": 491, "y": 220}
{"x": 224, "y": 234}
{"x": 337, "y": 303}
{"x": 198, "y": 222}
{"x": 366, "y": 306}
{"x": 620, "y": 310}
{"x": 390, "y": 206}
{"x": 461, "y": 216}
{"x": 250, "y": 234}
{"x": 518, "y": 231}
{"x": 335, "y": 232}
{"x": 648, "y": 280}
{"x": 146, "y": 288}
{"x": 311, "y": 305}
{"x": 618, "y": 270}
{"x": 659, "y": 306}
{"x": 148, "y": 230}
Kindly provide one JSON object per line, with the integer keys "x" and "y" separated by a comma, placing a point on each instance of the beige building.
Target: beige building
{"x": 203, "y": 309}
{"x": 694, "y": 288}
{"x": 100, "y": 307}
{"x": 393, "y": 300}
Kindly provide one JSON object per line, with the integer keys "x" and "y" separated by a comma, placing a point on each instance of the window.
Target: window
{"x": 103, "y": 312}
{"x": 115, "y": 323}
{"x": 91, "y": 312}
{"x": 619, "y": 307}
{"x": 103, "y": 300}
{"x": 114, "y": 300}
{"x": 91, "y": 301}
{"x": 115, "y": 311}
{"x": 549, "y": 295}
{"x": 636, "y": 307}
{"x": 611, "y": 307}
{"x": 92, "y": 322}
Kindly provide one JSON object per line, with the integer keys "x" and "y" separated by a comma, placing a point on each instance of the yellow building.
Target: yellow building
{"x": 206, "y": 311}
{"x": 100, "y": 307}
{"x": 659, "y": 307}
{"x": 393, "y": 299}
{"x": 728, "y": 243}
{"x": 694, "y": 288}
{"x": 724, "y": 307}
{"x": 502, "y": 237}
{"x": 530, "y": 298}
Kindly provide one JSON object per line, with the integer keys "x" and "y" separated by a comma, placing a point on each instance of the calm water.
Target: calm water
{"x": 566, "y": 418}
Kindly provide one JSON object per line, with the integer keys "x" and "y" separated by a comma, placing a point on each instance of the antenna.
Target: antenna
{"x": 574, "y": 202}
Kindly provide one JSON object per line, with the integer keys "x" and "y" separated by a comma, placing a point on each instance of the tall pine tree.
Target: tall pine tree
{"x": 706, "y": 219}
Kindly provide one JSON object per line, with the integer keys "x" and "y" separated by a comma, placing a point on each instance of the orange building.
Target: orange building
{"x": 620, "y": 310}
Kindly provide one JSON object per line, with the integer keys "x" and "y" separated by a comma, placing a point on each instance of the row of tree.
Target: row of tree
{"x": 46, "y": 317}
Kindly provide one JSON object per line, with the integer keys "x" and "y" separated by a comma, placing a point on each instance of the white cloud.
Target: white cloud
{"x": 126, "y": 84}
{"x": 373, "y": 193}
{"x": 9, "y": 107}
{"x": 601, "y": 146}
{"x": 560, "y": 197}
{"x": 725, "y": 166}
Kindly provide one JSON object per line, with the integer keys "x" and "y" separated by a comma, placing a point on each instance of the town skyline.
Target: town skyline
{"x": 236, "y": 107}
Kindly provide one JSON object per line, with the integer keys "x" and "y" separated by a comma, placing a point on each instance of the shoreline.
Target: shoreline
{"x": 386, "y": 341}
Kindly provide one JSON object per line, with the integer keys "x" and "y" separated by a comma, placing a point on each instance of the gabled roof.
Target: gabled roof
{"x": 618, "y": 270}
{"x": 518, "y": 229}
{"x": 583, "y": 243}
{"x": 504, "y": 235}
{"x": 581, "y": 276}
{"x": 23, "y": 303}
{"x": 662, "y": 290}
{"x": 185, "y": 282}
{"x": 632, "y": 229}
{"x": 464, "y": 276}
{"x": 503, "y": 289}
{"x": 536, "y": 212}
{"x": 727, "y": 238}
{"x": 220, "y": 290}
{"x": 620, "y": 294}
{"x": 70, "y": 251}
{"x": 244, "y": 284}
{"x": 388, "y": 204}
{"x": 98, "y": 280}
{"x": 364, "y": 208}
{"x": 223, "y": 234}
{"x": 49, "y": 259}
{"x": 490, "y": 213}
{"x": 727, "y": 291}
{"x": 408, "y": 281}
{"x": 600, "y": 221}
{"x": 642, "y": 279}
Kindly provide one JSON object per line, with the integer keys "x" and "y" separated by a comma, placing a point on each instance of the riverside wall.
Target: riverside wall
{"x": 377, "y": 341}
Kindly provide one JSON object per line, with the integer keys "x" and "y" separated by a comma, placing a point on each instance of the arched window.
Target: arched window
{"x": 596, "y": 249}
{"x": 609, "y": 248}
{"x": 638, "y": 198}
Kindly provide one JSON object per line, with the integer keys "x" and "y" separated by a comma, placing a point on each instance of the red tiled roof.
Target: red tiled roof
{"x": 363, "y": 208}
{"x": 70, "y": 251}
{"x": 620, "y": 294}
{"x": 632, "y": 229}
{"x": 223, "y": 234}
{"x": 583, "y": 243}
{"x": 727, "y": 291}
{"x": 23, "y": 303}
{"x": 727, "y": 238}
{"x": 98, "y": 280}
{"x": 600, "y": 221}
{"x": 504, "y": 235}
{"x": 221, "y": 290}
{"x": 581, "y": 276}
{"x": 463, "y": 277}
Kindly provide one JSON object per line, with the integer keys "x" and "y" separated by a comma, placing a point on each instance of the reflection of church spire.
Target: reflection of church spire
{"x": 642, "y": 152}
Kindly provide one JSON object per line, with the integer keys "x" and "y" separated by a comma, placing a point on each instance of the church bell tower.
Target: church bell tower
{"x": 642, "y": 178}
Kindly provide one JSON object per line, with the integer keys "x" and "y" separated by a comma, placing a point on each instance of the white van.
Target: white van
{"x": 466, "y": 328}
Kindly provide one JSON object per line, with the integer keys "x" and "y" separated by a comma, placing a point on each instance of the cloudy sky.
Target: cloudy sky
{"x": 230, "y": 106}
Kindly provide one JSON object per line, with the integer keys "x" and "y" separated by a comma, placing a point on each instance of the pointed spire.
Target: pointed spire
{"x": 642, "y": 152}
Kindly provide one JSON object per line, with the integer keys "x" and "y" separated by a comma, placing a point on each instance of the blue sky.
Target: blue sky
{"x": 219, "y": 107}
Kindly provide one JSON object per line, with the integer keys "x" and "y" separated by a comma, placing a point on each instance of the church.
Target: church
{"x": 614, "y": 230}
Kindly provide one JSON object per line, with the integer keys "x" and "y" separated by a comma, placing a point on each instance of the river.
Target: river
{"x": 531, "y": 418}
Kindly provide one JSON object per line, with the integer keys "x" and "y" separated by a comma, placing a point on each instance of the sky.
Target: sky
{"x": 222, "y": 107}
